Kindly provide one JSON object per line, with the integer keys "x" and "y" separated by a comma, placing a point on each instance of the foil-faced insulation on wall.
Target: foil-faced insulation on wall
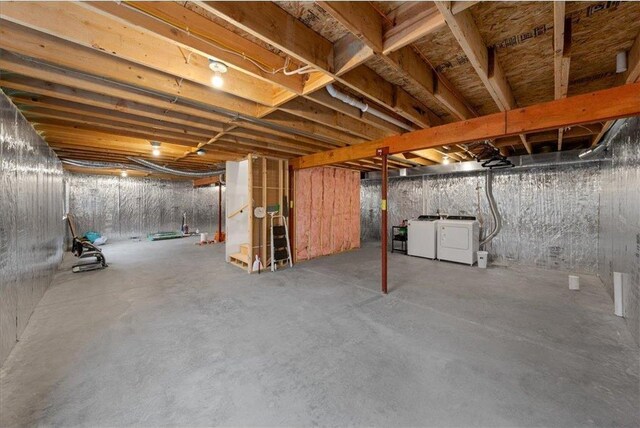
{"x": 550, "y": 214}
{"x": 619, "y": 239}
{"x": 122, "y": 208}
{"x": 31, "y": 225}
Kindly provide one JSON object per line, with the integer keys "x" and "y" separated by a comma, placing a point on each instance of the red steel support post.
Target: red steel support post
{"x": 219, "y": 210}
{"x": 383, "y": 153}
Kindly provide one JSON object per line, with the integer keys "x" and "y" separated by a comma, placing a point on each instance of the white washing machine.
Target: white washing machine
{"x": 421, "y": 236}
{"x": 458, "y": 241}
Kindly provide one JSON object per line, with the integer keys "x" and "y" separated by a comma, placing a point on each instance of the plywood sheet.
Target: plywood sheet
{"x": 522, "y": 35}
{"x": 314, "y": 17}
{"x": 445, "y": 55}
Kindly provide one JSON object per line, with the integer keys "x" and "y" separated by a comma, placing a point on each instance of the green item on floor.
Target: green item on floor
{"x": 160, "y": 236}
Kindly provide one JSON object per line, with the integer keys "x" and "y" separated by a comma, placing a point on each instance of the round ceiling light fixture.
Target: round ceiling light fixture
{"x": 201, "y": 152}
{"x": 445, "y": 160}
{"x": 156, "y": 148}
{"x": 218, "y": 69}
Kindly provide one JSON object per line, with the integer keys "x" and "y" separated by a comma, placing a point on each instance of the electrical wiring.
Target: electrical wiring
{"x": 262, "y": 66}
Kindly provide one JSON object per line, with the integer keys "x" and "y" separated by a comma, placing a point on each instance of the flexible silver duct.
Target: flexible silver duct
{"x": 497, "y": 219}
{"x": 364, "y": 107}
{"x": 166, "y": 170}
{"x": 604, "y": 141}
{"x": 495, "y": 214}
{"x": 102, "y": 165}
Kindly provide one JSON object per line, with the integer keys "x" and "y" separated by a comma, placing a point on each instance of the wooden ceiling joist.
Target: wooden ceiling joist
{"x": 561, "y": 56}
{"x": 630, "y": 76}
{"x": 78, "y": 23}
{"x": 614, "y": 103}
{"x": 189, "y": 30}
{"x": 59, "y": 52}
{"x": 91, "y": 73}
{"x": 484, "y": 60}
{"x": 410, "y": 22}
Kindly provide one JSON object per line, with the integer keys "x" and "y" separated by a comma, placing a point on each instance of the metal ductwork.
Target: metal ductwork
{"x": 493, "y": 207}
{"x": 604, "y": 142}
{"x": 103, "y": 165}
{"x": 172, "y": 171}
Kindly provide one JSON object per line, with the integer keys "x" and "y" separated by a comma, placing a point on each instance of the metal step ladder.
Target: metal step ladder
{"x": 280, "y": 247}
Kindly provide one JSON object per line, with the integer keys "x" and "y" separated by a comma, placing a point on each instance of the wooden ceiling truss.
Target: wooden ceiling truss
{"x": 101, "y": 80}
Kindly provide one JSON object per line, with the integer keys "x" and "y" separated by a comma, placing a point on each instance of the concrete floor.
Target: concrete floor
{"x": 171, "y": 335}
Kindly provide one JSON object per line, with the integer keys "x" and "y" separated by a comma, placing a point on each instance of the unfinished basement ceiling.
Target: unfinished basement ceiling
{"x": 99, "y": 81}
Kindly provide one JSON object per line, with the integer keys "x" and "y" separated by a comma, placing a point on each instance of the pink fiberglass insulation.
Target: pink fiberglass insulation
{"x": 339, "y": 228}
{"x": 354, "y": 219}
{"x": 302, "y": 213}
{"x": 327, "y": 209}
{"x": 315, "y": 232}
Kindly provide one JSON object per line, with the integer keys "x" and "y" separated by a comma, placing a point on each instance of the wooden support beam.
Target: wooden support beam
{"x": 561, "y": 56}
{"x": 90, "y": 114}
{"x": 348, "y": 53}
{"x": 266, "y": 21}
{"x": 86, "y": 90}
{"x": 459, "y": 6}
{"x": 290, "y": 121}
{"x": 561, "y": 50}
{"x": 633, "y": 63}
{"x": 273, "y": 25}
{"x": 322, "y": 97}
{"x": 325, "y": 116}
{"x": 608, "y": 104}
{"x": 70, "y": 125}
{"x": 630, "y": 76}
{"x": 77, "y": 23}
{"x": 405, "y": 60}
{"x": 366, "y": 82}
{"x": 411, "y": 21}
{"x": 206, "y": 181}
{"x": 177, "y": 24}
{"x": 484, "y": 60}
{"x": 360, "y": 19}
{"x": 53, "y": 50}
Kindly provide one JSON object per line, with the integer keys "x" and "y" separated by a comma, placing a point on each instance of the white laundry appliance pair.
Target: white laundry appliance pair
{"x": 455, "y": 239}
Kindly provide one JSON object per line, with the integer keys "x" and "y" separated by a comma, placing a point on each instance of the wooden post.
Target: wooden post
{"x": 383, "y": 153}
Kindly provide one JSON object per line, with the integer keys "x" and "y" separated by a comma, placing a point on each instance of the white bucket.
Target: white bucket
{"x": 203, "y": 237}
{"x": 483, "y": 257}
{"x": 574, "y": 282}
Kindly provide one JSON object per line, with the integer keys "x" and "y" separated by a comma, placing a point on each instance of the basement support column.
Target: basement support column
{"x": 292, "y": 228}
{"x": 384, "y": 153}
{"x": 219, "y": 211}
